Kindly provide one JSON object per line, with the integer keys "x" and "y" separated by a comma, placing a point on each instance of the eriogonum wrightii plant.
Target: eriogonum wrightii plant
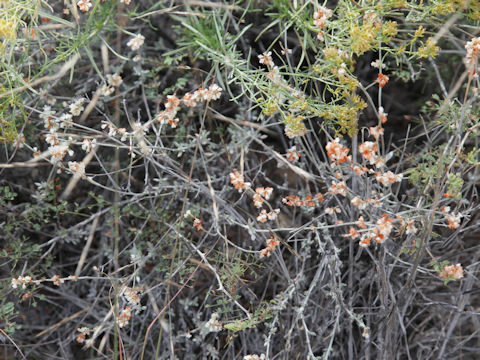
{"x": 246, "y": 180}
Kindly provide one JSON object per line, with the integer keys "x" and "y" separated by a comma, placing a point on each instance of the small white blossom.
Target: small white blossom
{"x": 49, "y": 120}
{"x": 77, "y": 168}
{"x": 66, "y": 121}
{"x": 136, "y": 42}
{"x": 114, "y": 80}
{"x": 84, "y": 5}
{"x": 88, "y": 145}
{"x": 76, "y": 107}
{"x": 378, "y": 64}
{"x": 266, "y": 59}
{"x": 106, "y": 90}
{"x": 213, "y": 325}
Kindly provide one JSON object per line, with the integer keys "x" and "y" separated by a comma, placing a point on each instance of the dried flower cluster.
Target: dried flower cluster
{"x": 272, "y": 244}
{"x": 124, "y": 317}
{"x": 168, "y": 116}
{"x": 23, "y": 281}
{"x": 83, "y": 333}
{"x": 452, "y": 218}
{"x": 471, "y": 59}
{"x": 320, "y": 18}
{"x": 382, "y": 80}
{"x": 238, "y": 182}
{"x": 337, "y": 152}
{"x": 453, "y": 272}
{"x": 309, "y": 200}
{"x": 293, "y": 154}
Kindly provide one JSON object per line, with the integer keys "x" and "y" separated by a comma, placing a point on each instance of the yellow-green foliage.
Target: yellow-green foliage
{"x": 429, "y": 48}
{"x": 362, "y": 37}
{"x": 8, "y": 131}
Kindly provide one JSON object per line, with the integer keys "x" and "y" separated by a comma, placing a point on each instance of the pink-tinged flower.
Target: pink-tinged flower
{"x": 172, "y": 103}
{"x": 124, "y": 316}
{"x": 57, "y": 280}
{"x": 214, "y": 92}
{"x": 359, "y": 170}
{"x": 272, "y": 215}
{"x": 213, "y": 325}
{"x": 409, "y": 226}
{"x": 189, "y": 100}
{"x": 368, "y": 150}
{"x": 264, "y": 216}
{"x": 359, "y": 203}
{"x": 453, "y": 220}
{"x": 382, "y": 80}
{"x": 321, "y": 16}
{"x": 366, "y": 239}
{"x": 452, "y": 271}
{"x": 361, "y": 223}
{"x": 254, "y": 357}
{"x": 382, "y": 115}
{"x": 257, "y": 201}
{"x": 236, "y": 179}
{"x": 293, "y": 200}
{"x": 338, "y": 188}
{"x": 266, "y": 59}
{"x": 352, "y": 233}
{"x": 84, "y": 332}
{"x": 384, "y": 225}
{"x": 272, "y": 244}
{"x": 88, "y": 145}
{"x": 197, "y": 224}
{"x": 337, "y": 152}
{"x": 388, "y": 178}
{"x": 376, "y": 132}
{"x": 77, "y": 168}
{"x": 445, "y": 209}
{"x": 332, "y": 210}
{"x": 84, "y": 5}
{"x": 114, "y": 80}
{"x": 265, "y": 192}
{"x": 293, "y": 154}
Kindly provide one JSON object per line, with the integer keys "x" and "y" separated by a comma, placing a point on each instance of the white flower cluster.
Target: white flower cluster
{"x": 136, "y": 42}
{"x": 132, "y": 296}
{"x": 21, "y": 280}
{"x": 213, "y": 325}
{"x": 320, "y": 19}
{"x": 76, "y": 107}
{"x": 88, "y": 145}
{"x": 78, "y": 168}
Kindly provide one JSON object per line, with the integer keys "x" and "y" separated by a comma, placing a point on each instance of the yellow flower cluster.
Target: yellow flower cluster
{"x": 294, "y": 125}
{"x": 362, "y": 37}
{"x": 429, "y": 49}
{"x": 7, "y": 29}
